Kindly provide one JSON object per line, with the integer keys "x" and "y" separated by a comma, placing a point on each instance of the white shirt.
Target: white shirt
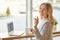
{"x": 40, "y": 25}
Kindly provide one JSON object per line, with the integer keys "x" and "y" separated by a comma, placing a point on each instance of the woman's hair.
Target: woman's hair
{"x": 49, "y": 10}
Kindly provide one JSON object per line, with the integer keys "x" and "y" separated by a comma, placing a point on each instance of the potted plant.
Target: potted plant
{"x": 8, "y": 11}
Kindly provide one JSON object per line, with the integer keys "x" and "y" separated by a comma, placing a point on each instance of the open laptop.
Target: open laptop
{"x": 11, "y": 30}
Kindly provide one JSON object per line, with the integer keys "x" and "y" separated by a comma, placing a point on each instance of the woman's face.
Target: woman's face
{"x": 43, "y": 10}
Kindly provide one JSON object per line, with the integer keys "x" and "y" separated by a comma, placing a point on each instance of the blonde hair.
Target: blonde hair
{"x": 49, "y": 10}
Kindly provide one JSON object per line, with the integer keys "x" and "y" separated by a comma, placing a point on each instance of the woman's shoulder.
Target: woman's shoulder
{"x": 48, "y": 23}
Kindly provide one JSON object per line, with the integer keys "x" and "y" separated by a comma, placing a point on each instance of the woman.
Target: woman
{"x": 43, "y": 30}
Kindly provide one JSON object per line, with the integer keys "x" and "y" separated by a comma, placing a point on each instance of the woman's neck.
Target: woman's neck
{"x": 43, "y": 17}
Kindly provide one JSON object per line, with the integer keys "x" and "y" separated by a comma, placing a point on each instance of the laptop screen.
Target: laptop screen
{"x": 10, "y": 27}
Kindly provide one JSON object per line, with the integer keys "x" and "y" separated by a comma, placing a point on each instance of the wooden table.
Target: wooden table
{"x": 18, "y": 37}
{"x": 57, "y": 33}
{"x": 26, "y": 36}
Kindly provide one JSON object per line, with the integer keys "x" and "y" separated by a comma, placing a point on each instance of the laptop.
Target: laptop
{"x": 11, "y": 31}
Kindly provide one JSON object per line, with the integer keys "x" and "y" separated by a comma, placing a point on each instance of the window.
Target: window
{"x": 16, "y": 6}
{"x": 17, "y": 10}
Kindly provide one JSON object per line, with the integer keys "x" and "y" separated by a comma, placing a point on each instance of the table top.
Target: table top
{"x": 20, "y": 36}
{"x": 27, "y": 36}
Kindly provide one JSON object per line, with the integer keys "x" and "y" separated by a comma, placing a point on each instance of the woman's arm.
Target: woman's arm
{"x": 37, "y": 32}
{"x": 46, "y": 31}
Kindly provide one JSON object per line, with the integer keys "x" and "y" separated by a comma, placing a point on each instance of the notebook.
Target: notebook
{"x": 11, "y": 30}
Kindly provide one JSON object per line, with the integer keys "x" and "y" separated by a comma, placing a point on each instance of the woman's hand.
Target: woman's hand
{"x": 36, "y": 21}
{"x": 31, "y": 29}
